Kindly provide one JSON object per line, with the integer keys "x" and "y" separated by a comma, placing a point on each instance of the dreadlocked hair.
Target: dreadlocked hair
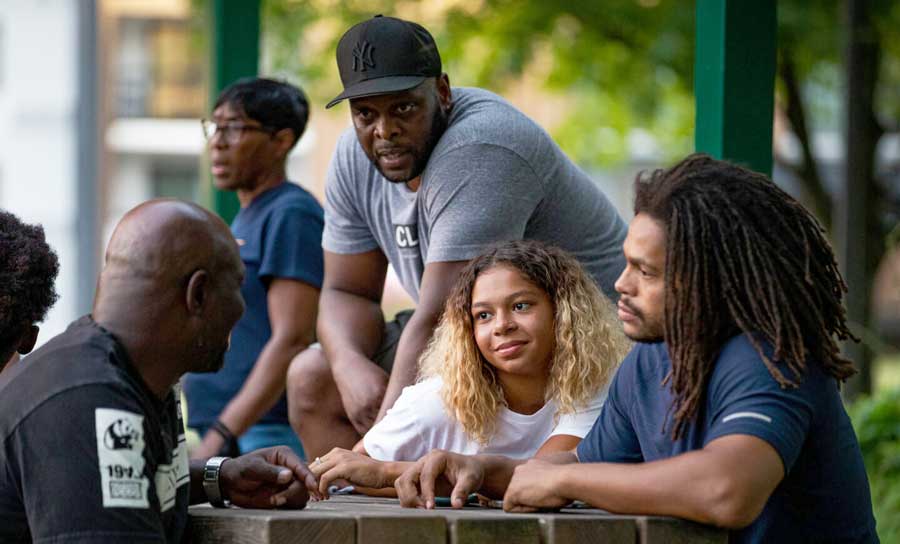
{"x": 742, "y": 256}
{"x": 588, "y": 340}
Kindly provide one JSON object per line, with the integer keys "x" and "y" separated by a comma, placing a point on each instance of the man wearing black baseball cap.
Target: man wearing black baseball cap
{"x": 362, "y": 76}
{"x": 428, "y": 177}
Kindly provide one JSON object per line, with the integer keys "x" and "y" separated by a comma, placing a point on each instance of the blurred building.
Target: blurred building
{"x": 39, "y": 127}
{"x": 154, "y": 90}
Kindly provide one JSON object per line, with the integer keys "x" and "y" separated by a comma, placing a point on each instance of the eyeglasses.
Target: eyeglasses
{"x": 231, "y": 131}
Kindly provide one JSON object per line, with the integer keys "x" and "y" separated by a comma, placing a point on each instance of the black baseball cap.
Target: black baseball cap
{"x": 385, "y": 55}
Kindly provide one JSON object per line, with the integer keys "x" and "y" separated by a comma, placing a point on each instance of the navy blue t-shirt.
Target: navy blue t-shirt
{"x": 824, "y": 496}
{"x": 280, "y": 236}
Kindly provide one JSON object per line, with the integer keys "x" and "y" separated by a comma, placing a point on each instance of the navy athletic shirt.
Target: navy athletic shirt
{"x": 280, "y": 236}
{"x": 824, "y": 496}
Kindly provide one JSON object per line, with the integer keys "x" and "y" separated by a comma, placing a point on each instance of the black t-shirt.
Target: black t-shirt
{"x": 89, "y": 453}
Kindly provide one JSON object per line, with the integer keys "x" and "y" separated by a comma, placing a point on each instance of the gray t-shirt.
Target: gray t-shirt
{"x": 494, "y": 175}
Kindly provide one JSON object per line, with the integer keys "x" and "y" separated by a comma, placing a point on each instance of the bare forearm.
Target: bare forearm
{"x": 264, "y": 385}
{"x": 406, "y": 361}
{"x": 686, "y": 486}
{"x": 386, "y": 472}
{"x": 437, "y": 280}
{"x": 392, "y": 470}
{"x": 559, "y": 449}
{"x": 348, "y": 323}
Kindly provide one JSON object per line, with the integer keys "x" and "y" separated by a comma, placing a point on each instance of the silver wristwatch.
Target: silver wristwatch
{"x": 211, "y": 481}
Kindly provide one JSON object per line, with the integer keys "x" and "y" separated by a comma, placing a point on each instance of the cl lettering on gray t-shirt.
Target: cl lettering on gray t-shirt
{"x": 494, "y": 175}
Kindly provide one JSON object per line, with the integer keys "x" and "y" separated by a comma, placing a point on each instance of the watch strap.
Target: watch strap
{"x": 211, "y": 481}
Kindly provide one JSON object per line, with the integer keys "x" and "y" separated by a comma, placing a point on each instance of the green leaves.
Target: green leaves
{"x": 613, "y": 66}
{"x": 877, "y": 423}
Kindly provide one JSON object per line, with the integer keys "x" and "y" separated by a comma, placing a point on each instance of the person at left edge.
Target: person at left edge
{"x": 255, "y": 123}
{"x": 28, "y": 272}
{"x": 93, "y": 447}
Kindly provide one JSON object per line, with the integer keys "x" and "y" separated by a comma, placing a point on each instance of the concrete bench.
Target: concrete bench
{"x": 368, "y": 520}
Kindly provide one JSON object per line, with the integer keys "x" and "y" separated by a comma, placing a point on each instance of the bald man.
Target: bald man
{"x": 92, "y": 439}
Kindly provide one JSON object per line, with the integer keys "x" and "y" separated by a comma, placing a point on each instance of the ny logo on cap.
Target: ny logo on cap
{"x": 362, "y": 57}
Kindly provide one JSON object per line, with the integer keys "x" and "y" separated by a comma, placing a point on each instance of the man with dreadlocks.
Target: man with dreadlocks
{"x": 728, "y": 410}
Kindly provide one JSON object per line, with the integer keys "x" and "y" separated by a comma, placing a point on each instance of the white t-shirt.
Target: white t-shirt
{"x": 418, "y": 423}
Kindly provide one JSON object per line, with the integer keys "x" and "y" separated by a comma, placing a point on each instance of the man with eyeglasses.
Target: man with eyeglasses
{"x": 255, "y": 123}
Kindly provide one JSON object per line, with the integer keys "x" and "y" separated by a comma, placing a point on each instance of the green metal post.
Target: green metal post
{"x": 734, "y": 80}
{"x": 235, "y": 54}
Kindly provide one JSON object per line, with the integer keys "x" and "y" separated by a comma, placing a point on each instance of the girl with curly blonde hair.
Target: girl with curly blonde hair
{"x": 518, "y": 366}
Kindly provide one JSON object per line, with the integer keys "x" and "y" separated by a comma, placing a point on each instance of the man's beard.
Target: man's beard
{"x": 649, "y": 332}
{"x": 421, "y": 155}
{"x": 647, "y": 338}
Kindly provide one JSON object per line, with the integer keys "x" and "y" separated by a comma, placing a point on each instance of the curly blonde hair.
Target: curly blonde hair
{"x": 589, "y": 339}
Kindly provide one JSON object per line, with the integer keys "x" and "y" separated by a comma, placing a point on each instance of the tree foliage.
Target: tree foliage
{"x": 610, "y": 66}
{"x": 877, "y": 424}
{"x": 616, "y": 64}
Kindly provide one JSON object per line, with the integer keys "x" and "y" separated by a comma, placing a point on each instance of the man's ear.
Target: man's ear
{"x": 197, "y": 292}
{"x": 285, "y": 140}
{"x": 28, "y": 339}
{"x": 442, "y": 84}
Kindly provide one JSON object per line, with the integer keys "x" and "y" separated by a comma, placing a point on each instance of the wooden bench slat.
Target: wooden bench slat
{"x": 508, "y": 530}
{"x": 589, "y": 529}
{"x": 393, "y": 529}
{"x": 655, "y": 530}
{"x": 369, "y": 520}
